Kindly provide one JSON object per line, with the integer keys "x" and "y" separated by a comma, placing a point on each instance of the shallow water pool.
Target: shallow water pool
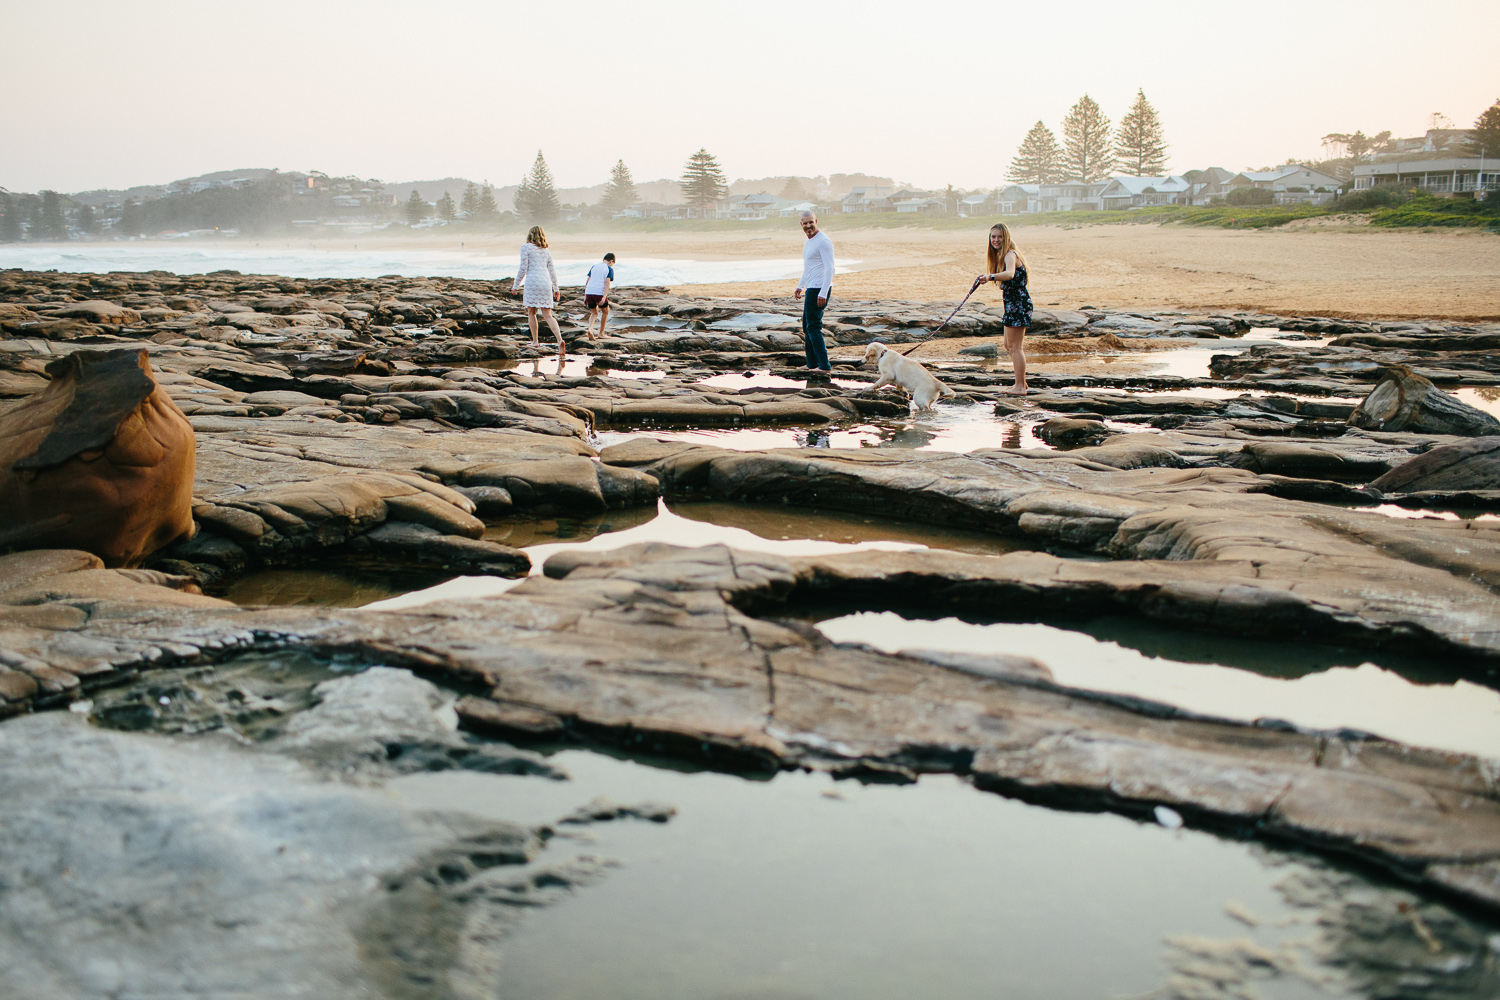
{"x": 782, "y": 530}
{"x": 804, "y": 887}
{"x": 1402, "y": 698}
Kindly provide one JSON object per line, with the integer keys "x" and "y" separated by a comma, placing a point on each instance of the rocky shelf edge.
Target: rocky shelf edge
{"x": 648, "y": 647}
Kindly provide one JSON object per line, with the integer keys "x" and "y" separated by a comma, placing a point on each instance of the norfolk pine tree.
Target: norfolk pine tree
{"x": 10, "y": 220}
{"x": 794, "y": 191}
{"x": 619, "y": 193}
{"x": 1484, "y": 138}
{"x": 536, "y": 201}
{"x": 703, "y": 181}
{"x": 470, "y": 203}
{"x": 447, "y": 210}
{"x": 416, "y": 208}
{"x": 485, "y": 209}
{"x": 1086, "y": 142}
{"x": 85, "y": 220}
{"x": 1039, "y": 160}
{"x": 1139, "y": 146}
{"x": 130, "y": 223}
{"x": 51, "y": 221}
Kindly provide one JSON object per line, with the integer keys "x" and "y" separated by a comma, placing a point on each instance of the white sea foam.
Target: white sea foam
{"x": 314, "y": 263}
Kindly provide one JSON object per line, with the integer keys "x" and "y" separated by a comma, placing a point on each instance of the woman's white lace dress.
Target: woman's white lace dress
{"x": 537, "y": 276}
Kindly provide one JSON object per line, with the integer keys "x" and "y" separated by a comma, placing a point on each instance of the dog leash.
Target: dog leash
{"x": 934, "y": 333}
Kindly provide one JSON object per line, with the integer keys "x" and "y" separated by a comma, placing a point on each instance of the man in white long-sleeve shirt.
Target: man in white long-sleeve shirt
{"x": 817, "y": 282}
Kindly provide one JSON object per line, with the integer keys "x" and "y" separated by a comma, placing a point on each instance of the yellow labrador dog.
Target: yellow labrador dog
{"x": 908, "y": 374}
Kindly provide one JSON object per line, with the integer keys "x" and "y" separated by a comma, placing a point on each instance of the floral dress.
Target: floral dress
{"x": 1017, "y": 299}
{"x": 537, "y": 276}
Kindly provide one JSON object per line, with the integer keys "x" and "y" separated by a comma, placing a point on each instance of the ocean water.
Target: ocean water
{"x": 310, "y": 262}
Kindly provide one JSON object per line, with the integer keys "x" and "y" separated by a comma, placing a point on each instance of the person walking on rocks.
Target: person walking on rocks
{"x": 596, "y": 293}
{"x": 536, "y": 282}
{"x": 1008, "y": 267}
{"x": 817, "y": 282}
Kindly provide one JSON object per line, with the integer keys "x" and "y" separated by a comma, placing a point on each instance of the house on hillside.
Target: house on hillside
{"x": 867, "y": 199}
{"x": 1071, "y": 195}
{"x": 1291, "y": 184}
{"x": 1467, "y": 176}
{"x": 1145, "y": 192}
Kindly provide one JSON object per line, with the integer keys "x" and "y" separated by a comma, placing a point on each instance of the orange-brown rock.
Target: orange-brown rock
{"x": 100, "y": 460}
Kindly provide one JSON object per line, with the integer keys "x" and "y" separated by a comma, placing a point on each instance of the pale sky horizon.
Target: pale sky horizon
{"x": 111, "y": 95}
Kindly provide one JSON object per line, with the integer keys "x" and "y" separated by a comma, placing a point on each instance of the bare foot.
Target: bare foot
{"x": 1014, "y": 391}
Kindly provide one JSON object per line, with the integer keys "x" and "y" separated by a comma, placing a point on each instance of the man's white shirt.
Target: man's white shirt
{"x": 817, "y": 264}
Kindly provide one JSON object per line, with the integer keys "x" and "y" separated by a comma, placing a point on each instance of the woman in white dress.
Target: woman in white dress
{"x": 536, "y": 282}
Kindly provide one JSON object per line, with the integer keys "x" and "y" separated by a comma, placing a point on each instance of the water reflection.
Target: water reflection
{"x": 803, "y": 887}
{"x": 1413, "y": 699}
{"x": 783, "y": 530}
{"x": 323, "y": 588}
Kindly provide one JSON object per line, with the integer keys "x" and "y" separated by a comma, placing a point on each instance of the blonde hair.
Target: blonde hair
{"x": 537, "y": 236}
{"x": 995, "y": 259}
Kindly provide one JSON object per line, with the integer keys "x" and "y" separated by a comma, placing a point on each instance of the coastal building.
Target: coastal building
{"x": 1145, "y": 192}
{"x": 1015, "y": 199}
{"x": 654, "y": 210}
{"x": 1475, "y": 176}
{"x": 1291, "y": 183}
{"x": 1207, "y": 184}
{"x": 921, "y": 206}
{"x": 867, "y": 199}
{"x": 751, "y": 206}
{"x": 978, "y": 203}
{"x": 1071, "y": 195}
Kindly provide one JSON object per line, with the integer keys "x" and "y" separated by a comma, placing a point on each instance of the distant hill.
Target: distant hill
{"x": 145, "y": 192}
{"x": 666, "y": 190}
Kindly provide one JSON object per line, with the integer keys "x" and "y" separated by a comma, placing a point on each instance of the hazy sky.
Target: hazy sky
{"x": 111, "y": 94}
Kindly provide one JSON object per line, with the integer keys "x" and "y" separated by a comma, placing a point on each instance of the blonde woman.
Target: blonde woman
{"x": 1007, "y": 266}
{"x": 536, "y": 282}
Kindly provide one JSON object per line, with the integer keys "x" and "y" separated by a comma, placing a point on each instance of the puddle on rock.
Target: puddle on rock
{"x": 761, "y": 378}
{"x": 791, "y": 531}
{"x": 947, "y": 427}
{"x": 572, "y": 366}
{"x": 1417, "y": 513}
{"x": 1484, "y": 397}
{"x": 1406, "y": 698}
{"x": 804, "y": 887}
{"x": 323, "y": 588}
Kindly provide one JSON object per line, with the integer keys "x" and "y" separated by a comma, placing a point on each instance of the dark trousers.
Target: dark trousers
{"x": 812, "y": 330}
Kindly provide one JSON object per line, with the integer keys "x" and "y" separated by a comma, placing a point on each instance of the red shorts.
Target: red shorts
{"x": 595, "y": 301}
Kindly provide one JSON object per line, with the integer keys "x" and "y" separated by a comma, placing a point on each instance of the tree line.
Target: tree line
{"x": 1092, "y": 149}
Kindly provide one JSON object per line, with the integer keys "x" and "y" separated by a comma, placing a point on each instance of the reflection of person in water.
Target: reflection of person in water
{"x": 914, "y": 436}
{"x": 818, "y": 439}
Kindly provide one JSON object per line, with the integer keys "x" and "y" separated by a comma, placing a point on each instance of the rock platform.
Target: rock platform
{"x": 385, "y": 422}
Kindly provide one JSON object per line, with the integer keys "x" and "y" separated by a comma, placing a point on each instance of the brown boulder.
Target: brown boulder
{"x": 1404, "y": 401}
{"x": 100, "y": 460}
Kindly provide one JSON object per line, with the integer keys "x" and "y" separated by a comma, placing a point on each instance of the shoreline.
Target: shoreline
{"x": 1336, "y": 272}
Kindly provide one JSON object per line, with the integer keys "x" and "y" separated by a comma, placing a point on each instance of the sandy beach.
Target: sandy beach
{"x": 1326, "y": 267}
{"x": 1339, "y": 270}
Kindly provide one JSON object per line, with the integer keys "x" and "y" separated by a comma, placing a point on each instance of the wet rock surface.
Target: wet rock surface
{"x": 382, "y": 423}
